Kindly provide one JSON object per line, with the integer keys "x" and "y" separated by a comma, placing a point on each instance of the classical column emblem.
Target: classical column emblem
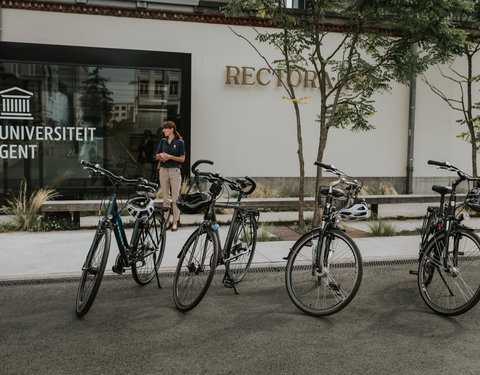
{"x": 15, "y": 104}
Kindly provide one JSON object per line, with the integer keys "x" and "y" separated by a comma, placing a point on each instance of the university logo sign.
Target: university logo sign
{"x": 15, "y": 104}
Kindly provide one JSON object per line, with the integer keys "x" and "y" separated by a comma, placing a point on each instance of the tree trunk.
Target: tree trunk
{"x": 469, "y": 120}
{"x": 321, "y": 149}
{"x": 301, "y": 162}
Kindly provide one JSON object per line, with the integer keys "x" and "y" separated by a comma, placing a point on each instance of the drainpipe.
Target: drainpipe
{"x": 411, "y": 128}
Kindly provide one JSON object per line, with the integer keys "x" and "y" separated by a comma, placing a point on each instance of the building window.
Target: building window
{"x": 93, "y": 113}
{"x": 173, "y": 88}
{"x": 143, "y": 88}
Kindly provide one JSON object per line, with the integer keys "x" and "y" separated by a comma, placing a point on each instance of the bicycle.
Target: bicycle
{"x": 449, "y": 258}
{"x": 324, "y": 268}
{"x": 202, "y": 252}
{"x": 145, "y": 251}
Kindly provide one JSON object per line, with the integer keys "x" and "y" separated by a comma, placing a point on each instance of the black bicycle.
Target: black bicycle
{"x": 449, "y": 264}
{"x": 145, "y": 251}
{"x": 324, "y": 267}
{"x": 202, "y": 251}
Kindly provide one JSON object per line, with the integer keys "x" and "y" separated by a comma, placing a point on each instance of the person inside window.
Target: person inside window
{"x": 171, "y": 155}
{"x": 145, "y": 154}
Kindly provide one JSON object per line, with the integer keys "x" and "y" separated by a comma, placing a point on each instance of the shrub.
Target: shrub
{"x": 381, "y": 228}
{"x": 26, "y": 210}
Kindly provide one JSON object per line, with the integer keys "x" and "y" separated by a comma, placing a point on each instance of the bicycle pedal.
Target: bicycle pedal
{"x": 412, "y": 272}
{"x": 118, "y": 269}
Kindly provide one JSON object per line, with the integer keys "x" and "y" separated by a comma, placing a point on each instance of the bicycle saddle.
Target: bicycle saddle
{"x": 337, "y": 193}
{"x": 146, "y": 194}
{"x": 442, "y": 189}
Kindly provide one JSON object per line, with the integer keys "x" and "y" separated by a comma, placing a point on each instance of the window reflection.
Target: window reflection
{"x": 126, "y": 108}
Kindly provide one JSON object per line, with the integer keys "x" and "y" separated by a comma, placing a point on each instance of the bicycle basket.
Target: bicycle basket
{"x": 140, "y": 207}
{"x": 472, "y": 199}
{"x": 194, "y": 203}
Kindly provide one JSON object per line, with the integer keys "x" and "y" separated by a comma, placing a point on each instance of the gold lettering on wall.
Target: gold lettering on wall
{"x": 249, "y": 76}
{"x": 312, "y": 80}
{"x": 259, "y": 76}
{"x": 299, "y": 78}
{"x": 231, "y": 75}
{"x": 246, "y": 74}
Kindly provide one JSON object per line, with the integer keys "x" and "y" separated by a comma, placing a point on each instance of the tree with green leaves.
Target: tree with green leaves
{"x": 286, "y": 41}
{"x": 374, "y": 50}
{"x": 96, "y": 100}
{"x": 458, "y": 69}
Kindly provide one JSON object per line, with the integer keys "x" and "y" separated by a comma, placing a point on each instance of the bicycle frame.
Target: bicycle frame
{"x": 113, "y": 220}
{"x": 210, "y": 220}
{"x": 327, "y": 224}
{"x": 450, "y": 221}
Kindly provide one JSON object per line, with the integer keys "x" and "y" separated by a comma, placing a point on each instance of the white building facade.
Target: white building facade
{"x": 230, "y": 110}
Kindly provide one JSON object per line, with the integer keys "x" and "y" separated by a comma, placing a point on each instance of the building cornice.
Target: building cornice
{"x": 201, "y": 15}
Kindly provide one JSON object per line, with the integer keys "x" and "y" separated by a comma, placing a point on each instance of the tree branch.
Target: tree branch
{"x": 440, "y": 94}
{"x": 263, "y": 57}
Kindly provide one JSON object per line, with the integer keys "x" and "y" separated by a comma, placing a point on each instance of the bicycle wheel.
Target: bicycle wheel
{"x": 151, "y": 244}
{"x": 456, "y": 289}
{"x": 195, "y": 268}
{"x": 93, "y": 270}
{"x": 327, "y": 291}
{"x": 242, "y": 249}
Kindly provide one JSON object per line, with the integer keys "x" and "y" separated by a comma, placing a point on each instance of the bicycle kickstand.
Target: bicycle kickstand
{"x": 156, "y": 271}
{"x": 227, "y": 282}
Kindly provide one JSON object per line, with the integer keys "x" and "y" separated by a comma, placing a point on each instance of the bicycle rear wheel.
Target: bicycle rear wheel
{"x": 195, "y": 269}
{"x": 242, "y": 249}
{"x": 93, "y": 270}
{"x": 327, "y": 291}
{"x": 454, "y": 290}
{"x": 151, "y": 245}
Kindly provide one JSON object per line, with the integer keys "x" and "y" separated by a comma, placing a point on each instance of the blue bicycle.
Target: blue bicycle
{"x": 145, "y": 251}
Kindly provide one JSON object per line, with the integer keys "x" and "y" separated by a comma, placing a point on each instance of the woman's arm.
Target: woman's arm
{"x": 180, "y": 159}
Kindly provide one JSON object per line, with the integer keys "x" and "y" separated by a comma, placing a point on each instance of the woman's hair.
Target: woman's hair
{"x": 171, "y": 125}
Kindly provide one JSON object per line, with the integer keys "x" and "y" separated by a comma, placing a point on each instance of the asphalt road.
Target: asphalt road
{"x": 387, "y": 329}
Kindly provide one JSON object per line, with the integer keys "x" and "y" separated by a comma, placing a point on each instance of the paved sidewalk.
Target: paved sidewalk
{"x": 59, "y": 254}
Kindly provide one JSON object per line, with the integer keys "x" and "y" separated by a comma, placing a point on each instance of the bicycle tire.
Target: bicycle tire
{"x": 143, "y": 269}
{"x": 93, "y": 272}
{"x": 242, "y": 249}
{"x": 195, "y": 269}
{"x": 454, "y": 291}
{"x": 327, "y": 293}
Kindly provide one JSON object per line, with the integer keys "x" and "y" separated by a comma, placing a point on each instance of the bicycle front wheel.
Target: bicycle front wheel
{"x": 93, "y": 270}
{"x": 454, "y": 289}
{"x": 325, "y": 290}
{"x": 195, "y": 269}
{"x": 150, "y": 249}
{"x": 242, "y": 249}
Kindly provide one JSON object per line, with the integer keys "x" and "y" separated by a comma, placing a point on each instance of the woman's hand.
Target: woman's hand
{"x": 164, "y": 156}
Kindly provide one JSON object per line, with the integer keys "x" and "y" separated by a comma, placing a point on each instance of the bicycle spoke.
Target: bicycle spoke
{"x": 325, "y": 291}
{"x": 456, "y": 289}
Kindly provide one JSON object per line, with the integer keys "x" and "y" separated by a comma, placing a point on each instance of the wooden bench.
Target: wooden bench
{"x": 74, "y": 207}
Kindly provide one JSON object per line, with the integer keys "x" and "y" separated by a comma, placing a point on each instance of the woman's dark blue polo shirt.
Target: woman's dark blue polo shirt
{"x": 175, "y": 148}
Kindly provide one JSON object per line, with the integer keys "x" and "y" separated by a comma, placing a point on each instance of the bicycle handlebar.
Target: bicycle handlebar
{"x": 137, "y": 182}
{"x": 448, "y": 166}
{"x": 252, "y": 183}
{"x": 341, "y": 175}
{"x": 439, "y": 163}
{"x": 197, "y": 163}
{"x": 325, "y": 166}
{"x": 238, "y": 185}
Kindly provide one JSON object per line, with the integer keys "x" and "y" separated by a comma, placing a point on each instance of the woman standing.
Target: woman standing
{"x": 171, "y": 154}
